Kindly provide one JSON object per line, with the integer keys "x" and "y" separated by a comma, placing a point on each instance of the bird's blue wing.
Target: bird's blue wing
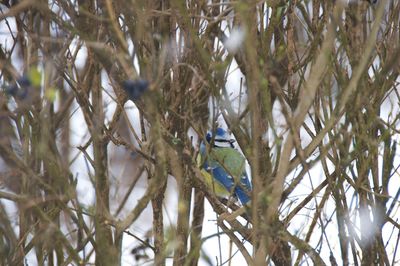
{"x": 223, "y": 178}
{"x": 240, "y": 190}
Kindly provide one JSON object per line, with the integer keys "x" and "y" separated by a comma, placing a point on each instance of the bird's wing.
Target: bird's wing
{"x": 229, "y": 159}
{"x": 215, "y": 185}
{"x": 214, "y": 175}
{"x": 231, "y": 162}
{"x": 223, "y": 178}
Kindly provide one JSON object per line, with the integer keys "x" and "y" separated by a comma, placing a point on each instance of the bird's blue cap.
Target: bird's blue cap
{"x": 220, "y": 132}
{"x": 221, "y": 135}
{"x": 135, "y": 88}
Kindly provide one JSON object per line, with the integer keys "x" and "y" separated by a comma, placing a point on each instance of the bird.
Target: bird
{"x": 224, "y": 167}
{"x": 135, "y": 88}
{"x": 20, "y": 88}
{"x": 26, "y": 90}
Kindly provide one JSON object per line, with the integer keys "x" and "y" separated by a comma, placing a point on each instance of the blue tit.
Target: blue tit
{"x": 135, "y": 88}
{"x": 20, "y": 89}
{"x": 26, "y": 90}
{"x": 224, "y": 167}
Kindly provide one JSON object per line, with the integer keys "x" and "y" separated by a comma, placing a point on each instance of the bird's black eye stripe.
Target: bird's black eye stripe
{"x": 225, "y": 140}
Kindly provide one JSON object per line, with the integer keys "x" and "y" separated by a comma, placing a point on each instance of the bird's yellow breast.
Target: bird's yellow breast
{"x": 214, "y": 185}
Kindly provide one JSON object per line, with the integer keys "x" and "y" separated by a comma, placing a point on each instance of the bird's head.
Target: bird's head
{"x": 221, "y": 138}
